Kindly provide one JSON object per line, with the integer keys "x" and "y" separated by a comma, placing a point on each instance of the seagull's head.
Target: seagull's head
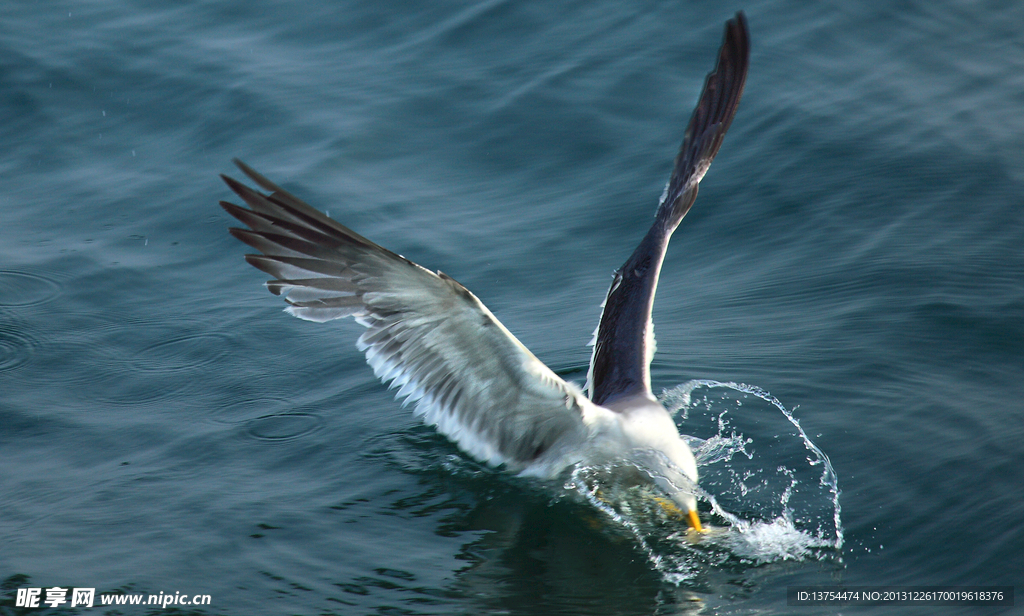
{"x": 681, "y": 504}
{"x": 690, "y": 512}
{"x": 656, "y": 447}
{"x": 681, "y": 489}
{"x": 673, "y": 469}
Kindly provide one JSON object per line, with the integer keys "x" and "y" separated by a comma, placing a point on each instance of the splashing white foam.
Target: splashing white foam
{"x": 768, "y": 502}
{"x": 765, "y": 542}
{"x": 723, "y": 448}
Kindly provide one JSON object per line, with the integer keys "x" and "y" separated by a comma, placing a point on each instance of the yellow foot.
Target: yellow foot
{"x": 670, "y": 508}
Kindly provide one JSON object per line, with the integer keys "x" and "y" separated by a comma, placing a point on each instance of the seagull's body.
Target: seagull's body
{"x": 442, "y": 348}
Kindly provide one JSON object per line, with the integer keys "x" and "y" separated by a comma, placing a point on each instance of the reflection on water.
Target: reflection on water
{"x": 768, "y": 494}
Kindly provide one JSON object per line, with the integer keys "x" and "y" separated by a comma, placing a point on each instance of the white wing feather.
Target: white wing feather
{"x": 426, "y": 334}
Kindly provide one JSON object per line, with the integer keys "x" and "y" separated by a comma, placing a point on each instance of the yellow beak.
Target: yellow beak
{"x": 691, "y": 517}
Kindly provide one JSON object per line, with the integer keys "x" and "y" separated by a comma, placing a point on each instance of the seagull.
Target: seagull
{"x": 436, "y": 342}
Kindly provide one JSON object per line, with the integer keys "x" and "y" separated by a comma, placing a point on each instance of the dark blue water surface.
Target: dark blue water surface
{"x": 848, "y": 288}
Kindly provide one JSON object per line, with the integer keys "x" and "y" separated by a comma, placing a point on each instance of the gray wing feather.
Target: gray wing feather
{"x": 426, "y": 334}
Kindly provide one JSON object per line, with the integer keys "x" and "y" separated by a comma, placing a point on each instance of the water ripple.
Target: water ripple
{"x": 19, "y": 289}
{"x": 246, "y": 410}
{"x": 184, "y": 352}
{"x": 284, "y": 426}
{"x": 16, "y": 348}
{"x": 120, "y": 361}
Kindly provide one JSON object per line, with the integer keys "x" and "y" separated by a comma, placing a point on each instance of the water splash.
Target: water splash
{"x": 638, "y": 509}
{"x": 800, "y": 496}
{"x": 772, "y": 492}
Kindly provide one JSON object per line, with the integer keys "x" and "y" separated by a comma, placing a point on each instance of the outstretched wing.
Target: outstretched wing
{"x": 426, "y": 334}
{"x": 624, "y": 342}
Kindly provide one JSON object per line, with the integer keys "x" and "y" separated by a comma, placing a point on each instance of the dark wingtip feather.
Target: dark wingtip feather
{"x": 237, "y": 187}
{"x": 711, "y": 118}
{"x": 262, "y": 263}
{"x": 231, "y": 208}
{"x": 620, "y": 364}
{"x": 257, "y": 177}
{"x": 240, "y": 234}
